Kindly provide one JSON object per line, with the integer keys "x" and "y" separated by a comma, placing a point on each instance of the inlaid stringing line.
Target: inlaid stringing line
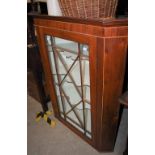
{"x": 102, "y": 107}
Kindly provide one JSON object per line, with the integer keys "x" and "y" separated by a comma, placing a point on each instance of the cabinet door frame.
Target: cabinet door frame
{"x": 91, "y": 41}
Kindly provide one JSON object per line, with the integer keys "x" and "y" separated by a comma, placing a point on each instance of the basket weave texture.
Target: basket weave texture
{"x": 88, "y": 8}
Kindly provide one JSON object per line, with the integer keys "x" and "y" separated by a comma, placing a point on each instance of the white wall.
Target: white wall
{"x": 53, "y": 8}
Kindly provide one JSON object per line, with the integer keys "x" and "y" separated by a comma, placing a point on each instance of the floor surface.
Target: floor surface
{"x": 44, "y": 140}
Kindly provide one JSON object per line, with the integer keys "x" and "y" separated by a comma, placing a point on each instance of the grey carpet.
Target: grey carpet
{"x": 44, "y": 140}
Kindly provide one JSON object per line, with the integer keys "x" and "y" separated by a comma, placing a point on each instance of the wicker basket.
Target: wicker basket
{"x": 88, "y": 8}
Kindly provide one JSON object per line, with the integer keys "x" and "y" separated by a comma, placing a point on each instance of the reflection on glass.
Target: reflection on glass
{"x": 84, "y": 49}
{"x": 70, "y": 69}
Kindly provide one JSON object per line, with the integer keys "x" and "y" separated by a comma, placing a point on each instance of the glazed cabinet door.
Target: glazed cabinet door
{"x": 71, "y": 60}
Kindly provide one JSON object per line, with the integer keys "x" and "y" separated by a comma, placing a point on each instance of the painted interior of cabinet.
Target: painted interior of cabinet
{"x": 69, "y": 63}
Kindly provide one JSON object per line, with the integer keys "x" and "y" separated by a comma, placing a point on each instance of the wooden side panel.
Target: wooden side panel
{"x": 114, "y": 66}
{"x": 93, "y": 86}
{"x": 99, "y": 91}
{"x": 116, "y": 32}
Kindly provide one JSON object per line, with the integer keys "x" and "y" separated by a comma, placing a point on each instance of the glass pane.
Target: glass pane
{"x": 62, "y": 115}
{"x": 54, "y": 73}
{"x": 84, "y": 50}
{"x": 79, "y": 110}
{"x": 71, "y": 90}
{"x": 60, "y": 104}
{"x": 70, "y": 68}
{"x": 86, "y": 79}
{"x": 74, "y": 72}
{"x": 88, "y": 135}
{"x": 88, "y": 117}
{"x": 72, "y": 114}
{"x": 66, "y": 45}
{"x": 76, "y": 126}
{"x": 66, "y": 65}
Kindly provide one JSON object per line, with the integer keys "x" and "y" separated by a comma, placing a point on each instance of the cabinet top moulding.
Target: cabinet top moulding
{"x": 99, "y": 28}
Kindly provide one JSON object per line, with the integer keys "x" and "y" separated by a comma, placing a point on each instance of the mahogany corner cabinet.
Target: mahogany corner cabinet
{"x": 84, "y": 63}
